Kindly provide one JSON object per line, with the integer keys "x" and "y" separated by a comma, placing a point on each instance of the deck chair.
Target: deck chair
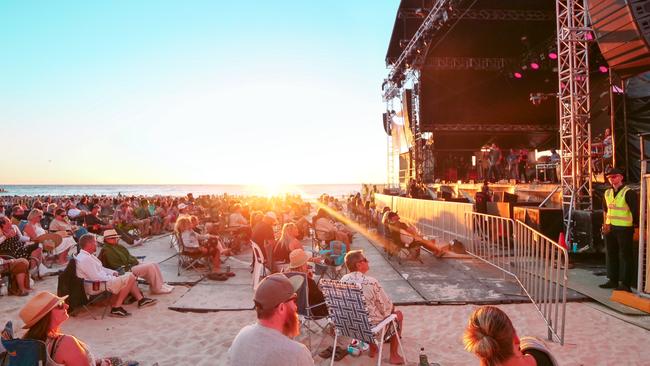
{"x": 307, "y": 319}
{"x": 188, "y": 260}
{"x": 349, "y": 313}
{"x": 24, "y": 352}
{"x": 259, "y": 264}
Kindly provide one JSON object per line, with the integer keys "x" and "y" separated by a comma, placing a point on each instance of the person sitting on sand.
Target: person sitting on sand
{"x": 268, "y": 342}
{"x": 34, "y": 230}
{"x": 379, "y": 305}
{"x": 492, "y": 338}
{"x": 43, "y": 316}
{"x": 18, "y": 270}
{"x": 90, "y": 269}
{"x": 114, "y": 255}
{"x": 205, "y": 244}
{"x": 408, "y": 236}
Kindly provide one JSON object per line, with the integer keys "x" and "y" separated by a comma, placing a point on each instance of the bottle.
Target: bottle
{"x": 424, "y": 361}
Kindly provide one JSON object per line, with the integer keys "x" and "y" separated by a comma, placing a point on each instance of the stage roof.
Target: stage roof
{"x": 467, "y": 77}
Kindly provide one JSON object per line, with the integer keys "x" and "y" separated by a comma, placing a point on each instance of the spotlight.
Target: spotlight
{"x": 552, "y": 55}
{"x": 589, "y": 36}
{"x": 534, "y": 65}
{"x": 603, "y": 69}
{"x": 518, "y": 75}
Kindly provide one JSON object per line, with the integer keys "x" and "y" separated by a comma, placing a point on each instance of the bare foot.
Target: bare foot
{"x": 396, "y": 360}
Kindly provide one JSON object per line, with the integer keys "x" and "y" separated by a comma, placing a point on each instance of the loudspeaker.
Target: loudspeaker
{"x": 586, "y": 231}
{"x": 623, "y": 33}
{"x": 547, "y": 221}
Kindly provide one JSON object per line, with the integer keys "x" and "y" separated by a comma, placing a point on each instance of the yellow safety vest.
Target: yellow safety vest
{"x": 618, "y": 213}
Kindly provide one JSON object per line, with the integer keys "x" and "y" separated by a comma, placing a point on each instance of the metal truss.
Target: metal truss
{"x": 575, "y": 134}
{"x": 492, "y": 128}
{"x": 468, "y": 63}
{"x": 505, "y": 14}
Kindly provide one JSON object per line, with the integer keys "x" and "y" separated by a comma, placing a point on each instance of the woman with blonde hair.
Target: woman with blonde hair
{"x": 199, "y": 243}
{"x": 34, "y": 231}
{"x": 492, "y": 338}
{"x": 287, "y": 243}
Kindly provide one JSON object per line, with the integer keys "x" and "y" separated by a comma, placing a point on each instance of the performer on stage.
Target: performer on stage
{"x": 621, "y": 217}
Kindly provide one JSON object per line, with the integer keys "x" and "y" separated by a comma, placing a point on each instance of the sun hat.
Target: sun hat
{"x": 38, "y": 306}
{"x": 49, "y": 240}
{"x": 276, "y": 289}
{"x": 111, "y": 234}
{"x": 297, "y": 258}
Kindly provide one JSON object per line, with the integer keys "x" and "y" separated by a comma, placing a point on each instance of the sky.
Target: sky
{"x": 193, "y": 92}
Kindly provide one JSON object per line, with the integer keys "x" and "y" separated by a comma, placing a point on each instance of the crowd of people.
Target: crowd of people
{"x": 89, "y": 230}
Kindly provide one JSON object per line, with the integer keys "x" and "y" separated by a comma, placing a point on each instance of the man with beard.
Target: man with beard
{"x": 268, "y": 342}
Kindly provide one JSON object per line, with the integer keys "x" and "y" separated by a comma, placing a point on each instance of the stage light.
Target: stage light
{"x": 589, "y": 36}
{"x": 518, "y": 75}
{"x": 534, "y": 65}
{"x": 552, "y": 55}
{"x": 603, "y": 69}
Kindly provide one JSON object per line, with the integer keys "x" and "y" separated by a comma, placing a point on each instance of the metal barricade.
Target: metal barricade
{"x": 490, "y": 239}
{"x": 540, "y": 267}
{"x": 537, "y": 263}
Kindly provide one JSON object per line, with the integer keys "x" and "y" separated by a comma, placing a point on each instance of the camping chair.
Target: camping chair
{"x": 305, "y": 311}
{"x": 349, "y": 313}
{"x": 188, "y": 260}
{"x": 322, "y": 240}
{"x": 259, "y": 268}
{"x": 73, "y": 286}
{"x": 336, "y": 257}
{"x": 24, "y": 352}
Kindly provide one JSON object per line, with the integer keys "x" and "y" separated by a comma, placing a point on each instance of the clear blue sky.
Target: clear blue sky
{"x": 193, "y": 91}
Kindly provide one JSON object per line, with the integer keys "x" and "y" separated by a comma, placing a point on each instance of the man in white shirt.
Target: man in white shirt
{"x": 268, "y": 342}
{"x": 90, "y": 269}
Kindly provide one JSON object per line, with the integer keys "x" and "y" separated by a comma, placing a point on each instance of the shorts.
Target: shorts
{"x": 115, "y": 285}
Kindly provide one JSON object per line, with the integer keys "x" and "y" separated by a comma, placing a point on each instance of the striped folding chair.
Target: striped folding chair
{"x": 349, "y": 313}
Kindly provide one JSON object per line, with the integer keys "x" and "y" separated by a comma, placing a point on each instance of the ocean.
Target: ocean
{"x": 308, "y": 191}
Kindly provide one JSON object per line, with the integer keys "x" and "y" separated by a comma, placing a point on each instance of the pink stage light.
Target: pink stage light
{"x": 552, "y": 56}
{"x": 603, "y": 69}
{"x": 518, "y": 75}
{"x": 534, "y": 65}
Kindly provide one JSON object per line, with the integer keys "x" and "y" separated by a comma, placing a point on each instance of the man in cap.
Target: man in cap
{"x": 621, "y": 211}
{"x": 268, "y": 342}
{"x": 114, "y": 255}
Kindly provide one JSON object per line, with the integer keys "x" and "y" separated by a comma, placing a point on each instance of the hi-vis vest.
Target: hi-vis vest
{"x": 618, "y": 213}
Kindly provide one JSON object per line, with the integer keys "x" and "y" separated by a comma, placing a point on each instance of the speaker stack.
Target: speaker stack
{"x": 622, "y": 30}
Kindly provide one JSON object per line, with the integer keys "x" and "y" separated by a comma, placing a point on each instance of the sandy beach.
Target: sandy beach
{"x": 159, "y": 335}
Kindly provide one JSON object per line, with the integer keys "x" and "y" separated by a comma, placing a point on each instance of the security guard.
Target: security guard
{"x": 621, "y": 217}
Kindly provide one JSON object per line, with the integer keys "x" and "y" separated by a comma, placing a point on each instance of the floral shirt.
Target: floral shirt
{"x": 379, "y": 305}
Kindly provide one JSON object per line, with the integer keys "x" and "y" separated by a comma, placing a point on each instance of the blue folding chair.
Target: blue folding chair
{"x": 24, "y": 352}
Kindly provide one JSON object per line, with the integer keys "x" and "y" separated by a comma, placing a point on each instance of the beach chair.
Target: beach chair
{"x": 336, "y": 257}
{"x": 73, "y": 286}
{"x": 259, "y": 264}
{"x": 189, "y": 260}
{"x": 307, "y": 319}
{"x": 322, "y": 240}
{"x": 24, "y": 352}
{"x": 349, "y": 313}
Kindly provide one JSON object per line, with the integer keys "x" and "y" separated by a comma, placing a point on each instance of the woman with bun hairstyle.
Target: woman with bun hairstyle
{"x": 492, "y": 338}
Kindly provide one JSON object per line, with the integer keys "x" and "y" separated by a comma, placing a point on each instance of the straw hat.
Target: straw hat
{"x": 49, "y": 240}
{"x": 297, "y": 258}
{"x": 38, "y": 306}
{"x": 111, "y": 234}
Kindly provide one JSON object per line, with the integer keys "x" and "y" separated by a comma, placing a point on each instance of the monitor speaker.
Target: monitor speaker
{"x": 623, "y": 33}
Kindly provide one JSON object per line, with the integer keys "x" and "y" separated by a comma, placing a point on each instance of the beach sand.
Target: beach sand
{"x": 166, "y": 337}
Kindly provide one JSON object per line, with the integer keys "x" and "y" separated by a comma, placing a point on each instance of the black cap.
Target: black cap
{"x": 615, "y": 171}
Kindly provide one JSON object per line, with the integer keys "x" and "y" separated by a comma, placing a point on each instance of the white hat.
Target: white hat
{"x": 182, "y": 206}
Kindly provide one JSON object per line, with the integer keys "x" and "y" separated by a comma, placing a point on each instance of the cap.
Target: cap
{"x": 276, "y": 289}
{"x": 615, "y": 171}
